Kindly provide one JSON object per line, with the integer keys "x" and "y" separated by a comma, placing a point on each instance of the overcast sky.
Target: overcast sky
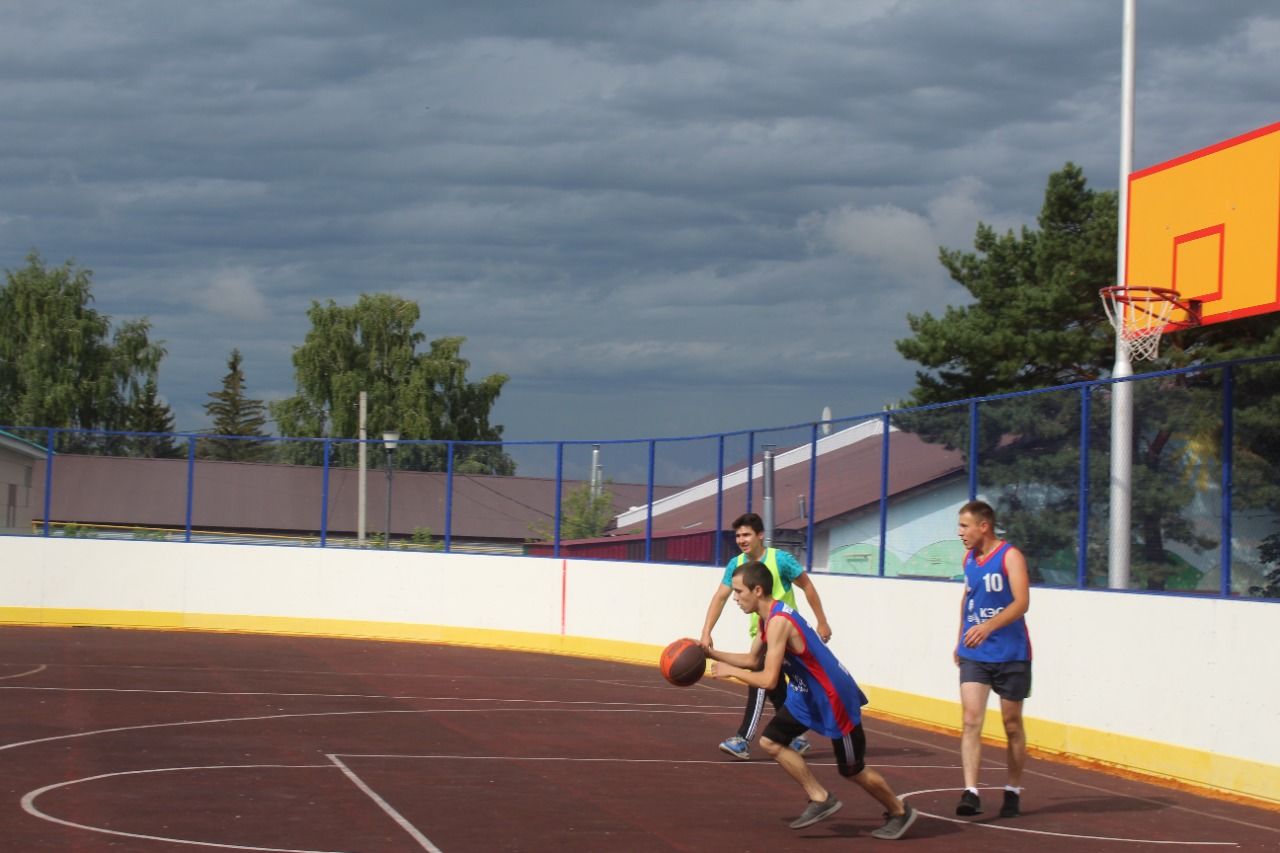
{"x": 659, "y": 218}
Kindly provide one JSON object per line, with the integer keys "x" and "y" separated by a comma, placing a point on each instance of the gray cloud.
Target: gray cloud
{"x": 657, "y": 217}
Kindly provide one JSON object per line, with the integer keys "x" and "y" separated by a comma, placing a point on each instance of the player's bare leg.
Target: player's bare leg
{"x": 1017, "y": 735}
{"x": 797, "y": 768}
{"x": 973, "y": 702}
{"x": 874, "y": 784}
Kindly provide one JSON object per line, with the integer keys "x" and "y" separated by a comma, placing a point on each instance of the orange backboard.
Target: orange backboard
{"x": 1207, "y": 224}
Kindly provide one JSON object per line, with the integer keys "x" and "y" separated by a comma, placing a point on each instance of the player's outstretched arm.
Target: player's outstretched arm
{"x": 768, "y": 675}
{"x": 714, "y": 609}
{"x": 739, "y": 660}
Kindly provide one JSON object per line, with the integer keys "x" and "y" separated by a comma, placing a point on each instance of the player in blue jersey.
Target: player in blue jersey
{"x": 993, "y": 651}
{"x": 748, "y": 532}
{"x": 820, "y": 695}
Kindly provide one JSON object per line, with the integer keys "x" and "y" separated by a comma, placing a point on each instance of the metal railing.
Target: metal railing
{"x": 1206, "y": 505}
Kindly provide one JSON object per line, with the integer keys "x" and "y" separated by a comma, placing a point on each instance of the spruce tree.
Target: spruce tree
{"x": 149, "y": 415}
{"x": 234, "y": 414}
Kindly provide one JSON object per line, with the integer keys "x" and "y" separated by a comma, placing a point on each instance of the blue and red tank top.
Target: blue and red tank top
{"x": 987, "y": 593}
{"x": 820, "y": 691}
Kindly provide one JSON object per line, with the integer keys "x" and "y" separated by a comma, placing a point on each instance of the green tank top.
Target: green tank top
{"x": 778, "y": 593}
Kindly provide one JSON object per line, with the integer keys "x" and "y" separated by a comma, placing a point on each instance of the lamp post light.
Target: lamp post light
{"x": 390, "y": 439}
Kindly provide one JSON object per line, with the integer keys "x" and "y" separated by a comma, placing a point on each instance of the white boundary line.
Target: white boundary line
{"x": 1007, "y": 828}
{"x": 41, "y": 668}
{"x": 29, "y": 806}
{"x": 651, "y": 708}
{"x": 423, "y": 841}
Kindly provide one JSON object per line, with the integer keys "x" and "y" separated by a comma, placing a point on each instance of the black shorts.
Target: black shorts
{"x": 1009, "y": 679}
{"x": 851, "y": 750}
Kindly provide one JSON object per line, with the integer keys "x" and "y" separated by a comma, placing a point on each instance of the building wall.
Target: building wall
{"x": 920, "y": 536}
{"x": 17, "y": 471}
{"x": 1180, "y": 687}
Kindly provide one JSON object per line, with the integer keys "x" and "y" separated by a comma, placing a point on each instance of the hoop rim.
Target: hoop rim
{"x": 1127, "y": 294}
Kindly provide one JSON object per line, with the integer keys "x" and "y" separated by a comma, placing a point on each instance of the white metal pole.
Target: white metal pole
{"x": 1122, "y": 392}
{"x": 597, "y": 479}
{"x": 362, "y": 454}
{"x": 766, "y": 504}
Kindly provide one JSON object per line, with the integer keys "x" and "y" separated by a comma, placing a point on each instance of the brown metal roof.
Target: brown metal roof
{"x": 848, "y": 480}
{"x": 245, "y": 496}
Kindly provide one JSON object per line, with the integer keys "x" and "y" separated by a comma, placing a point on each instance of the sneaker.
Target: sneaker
{"x": 800, "y": 744}
{"x": 815, "y": 812}
{"x": 896, "y": 827}
{"x": 1012, "y": 804}
{"x": 969, "y": 804}
{"x": 737, "y": 747}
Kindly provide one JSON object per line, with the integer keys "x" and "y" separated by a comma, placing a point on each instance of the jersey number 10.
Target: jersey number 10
{"x": 994, "y": 582}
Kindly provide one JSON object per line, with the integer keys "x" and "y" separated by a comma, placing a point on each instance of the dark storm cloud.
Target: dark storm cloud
{"x": 658, "y": 217}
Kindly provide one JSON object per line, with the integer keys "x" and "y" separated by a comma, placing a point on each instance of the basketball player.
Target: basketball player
{"x": 820, "y": 695}
{"x": 993, "y": 652}
{"x": 748, "y": 531}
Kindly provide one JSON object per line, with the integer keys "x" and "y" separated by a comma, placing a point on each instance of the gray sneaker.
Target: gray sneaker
{"x": 815, "y": 812}
{"x": 896, "y": 827}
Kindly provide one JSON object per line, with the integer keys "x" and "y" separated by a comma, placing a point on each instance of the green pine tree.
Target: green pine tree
{"x": 1035, "y": 322}
{"x": 149, "y": 415}
{"x": 233, "y": 413}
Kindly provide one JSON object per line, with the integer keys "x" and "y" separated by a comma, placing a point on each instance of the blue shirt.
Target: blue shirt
{"x": 820, "y": 691}
{"x": 986, "y": 593}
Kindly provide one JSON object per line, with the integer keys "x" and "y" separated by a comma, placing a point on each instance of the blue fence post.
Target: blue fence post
{"x": 719, "y": 498}
{"x": 448, "y": 497}
{"x": 191, "y": 482}
{"x": 559, "y": 495}
{"x": 973, "y": 450}
{"x": 1082, "y": 524}
{"x": 813, "y": 494}
{"x": 1228, "y": 449}
{"x": 50, "y": 435}
{"x": 648, "y": 521}
{"x": 324, "y": 498}
{"x": 884, "y": 491}
{"x": 751, "y": 455}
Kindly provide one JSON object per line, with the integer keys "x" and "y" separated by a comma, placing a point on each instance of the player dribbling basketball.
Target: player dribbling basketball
{"x": 821, "y": 695}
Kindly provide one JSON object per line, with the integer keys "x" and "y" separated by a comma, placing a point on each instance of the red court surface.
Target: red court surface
{"x": 179, "y": 741}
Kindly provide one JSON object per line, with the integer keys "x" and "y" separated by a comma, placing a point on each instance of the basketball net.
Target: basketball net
{"x": 1140, "y": 315}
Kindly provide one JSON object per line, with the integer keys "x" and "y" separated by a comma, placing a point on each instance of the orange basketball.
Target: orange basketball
{"x": 683, "y": 662}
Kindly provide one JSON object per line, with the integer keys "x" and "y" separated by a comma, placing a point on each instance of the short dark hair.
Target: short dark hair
{"x": 749, "y": 519}
{"x": 755, "y": 574}
{"x": 982, "y": 511}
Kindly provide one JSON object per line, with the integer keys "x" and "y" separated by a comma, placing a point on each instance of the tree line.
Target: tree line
{"x": 63, "y": 365}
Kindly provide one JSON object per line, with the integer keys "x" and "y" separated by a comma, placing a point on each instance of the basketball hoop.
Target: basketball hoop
{"x": 1140, "y": 315}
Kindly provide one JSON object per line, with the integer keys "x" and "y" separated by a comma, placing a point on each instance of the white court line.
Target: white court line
{"x": 29, "y": 806}
{"x": 41, "y": 668}
{"x": 649, "y": 709}
{"x": 387, "y": 696}
{"x": 1006, "y": 828}
{"x": 258, "y": 717}
{"x": 992, "y": 764}
{"x": 423, "y": 841}
{"x": 328, "y": 673}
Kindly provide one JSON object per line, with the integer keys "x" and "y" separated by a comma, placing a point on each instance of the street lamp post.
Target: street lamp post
{"x": 390, "y": 439}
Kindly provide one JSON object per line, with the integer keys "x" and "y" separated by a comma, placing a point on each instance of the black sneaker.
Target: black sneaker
{"x": 1012, "y": 804}
{"x": 815, "y": 812}
{"x": 969, "y": 804}
{"x": 896, "y": 827}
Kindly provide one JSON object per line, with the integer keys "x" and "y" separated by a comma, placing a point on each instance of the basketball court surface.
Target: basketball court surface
{"x": 128, "y": 740}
